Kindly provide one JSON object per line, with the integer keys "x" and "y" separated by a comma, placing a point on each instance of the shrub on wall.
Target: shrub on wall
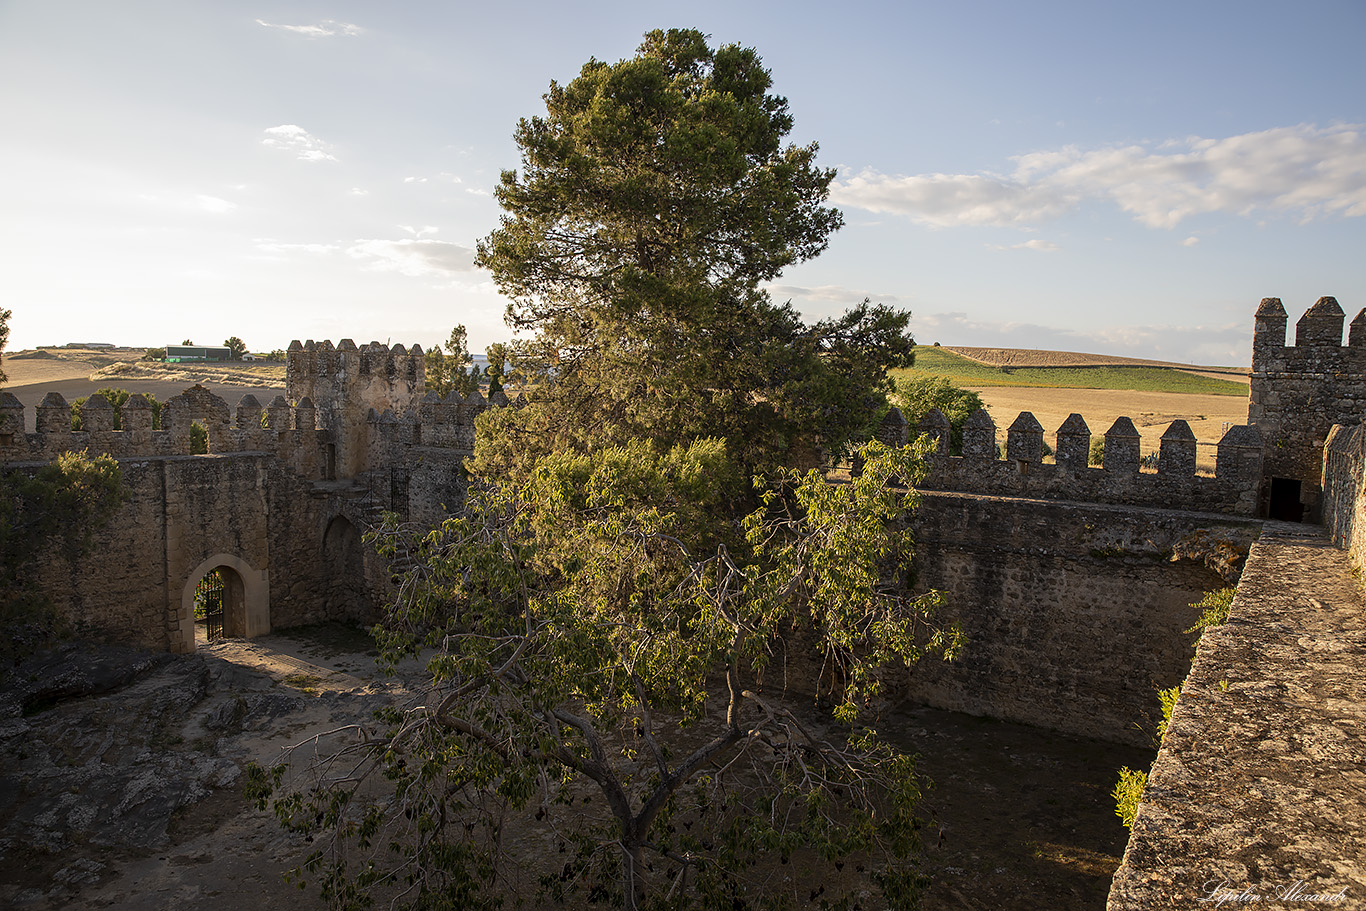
{"x": 1096, "y": 455}
{"x": 118, "y": 398}
{"x": 1127, "y": 793}
{"x": 916, "y": 395}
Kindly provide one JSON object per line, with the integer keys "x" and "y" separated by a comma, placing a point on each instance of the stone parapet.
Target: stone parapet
{"x": 1023, "y": 473}
{"x": 300, "y": 433}
{"x": 1258, "y": 788}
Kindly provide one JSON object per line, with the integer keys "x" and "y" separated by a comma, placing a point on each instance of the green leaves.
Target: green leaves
{"x": 656, "y": 195}
{"x": 576, "y": 627}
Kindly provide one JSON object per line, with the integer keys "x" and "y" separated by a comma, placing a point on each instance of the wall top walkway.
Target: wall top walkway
{"x": 1260, "y": 786}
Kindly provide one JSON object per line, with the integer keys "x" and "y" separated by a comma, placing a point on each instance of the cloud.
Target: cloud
{"x": 295, "y": 139}
{"x": 952, "y": 200}
{"x": 1190, "y": 241}
{"x": 328, "y": 28}
{"x": 414, "y": 256}
{"x": 828, "y": 294}
{"x": 414, "y": 180}
{"x": 357, "y": 191}
{"x": 1304, "y": 171}
{"x": 214, "y": 204}
{"x": 1040, "y": 246}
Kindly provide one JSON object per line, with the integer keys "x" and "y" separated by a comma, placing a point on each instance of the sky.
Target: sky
{"x": 1094, "y": 176}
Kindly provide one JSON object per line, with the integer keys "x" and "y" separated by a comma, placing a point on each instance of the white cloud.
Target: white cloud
{"x": 414, "y": 256}
{"x": 1041, "y": 246}
{"x": 295, "y": 139}
{"x": 1190, "y": 241}
{"x": 357, "y": 191}
{"x": 828, "y": 294}
{"x": 1304, "y": 171}
{"x": 328, "y": 28}
{"x": 419, "y": 232}
{"x": 214, "y": 204}
{"x": 950, "y": 200}
{"x": 414, "y": 180}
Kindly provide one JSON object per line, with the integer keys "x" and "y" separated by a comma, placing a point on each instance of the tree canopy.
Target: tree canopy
{"x": 451, "y": 368}
{"x": 918, "y": 394}
{"x": 655, "y": 198}
{"x": 4, "y": 340}
{"x": 644, "y": 542}
{"x": 575, "y": 627}
{"x": 236, "y": 347}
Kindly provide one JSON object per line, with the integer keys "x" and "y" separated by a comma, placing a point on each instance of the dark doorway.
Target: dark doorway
{"x": 1285, "y": 500}
{"x": 344, "y": 565}
{"x": 220, "y": 606}
{"x": 209, "y": 596}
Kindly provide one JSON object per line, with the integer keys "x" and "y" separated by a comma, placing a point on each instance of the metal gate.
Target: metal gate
{"x": 208, "y": 603}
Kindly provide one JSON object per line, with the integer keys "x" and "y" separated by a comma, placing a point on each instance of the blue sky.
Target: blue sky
{"x": 1094, "y": 176}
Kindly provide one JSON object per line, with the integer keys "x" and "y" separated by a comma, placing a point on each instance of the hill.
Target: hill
{"x": 1069, "y": 370}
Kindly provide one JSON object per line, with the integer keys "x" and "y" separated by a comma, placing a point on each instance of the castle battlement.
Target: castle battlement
{"x": 1298, "y": 392}
{"x": 1318, "y": 346}
{"x": 1120, "y": 479}
{"x": 300, "y": 434}
{"x": 347, "y": 378}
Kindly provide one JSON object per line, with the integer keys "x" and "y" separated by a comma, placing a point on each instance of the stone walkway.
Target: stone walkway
{"x": 1258, "y": 795}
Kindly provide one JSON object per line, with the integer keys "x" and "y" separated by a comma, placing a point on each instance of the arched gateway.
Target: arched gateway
{"x": 246, "y": 601}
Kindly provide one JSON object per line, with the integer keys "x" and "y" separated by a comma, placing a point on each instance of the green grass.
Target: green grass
{"x": 966, "y": 372}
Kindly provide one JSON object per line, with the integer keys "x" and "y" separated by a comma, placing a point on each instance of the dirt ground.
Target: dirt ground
{"x": 1151, "y": 412}
{"x": 1018, "y": 817}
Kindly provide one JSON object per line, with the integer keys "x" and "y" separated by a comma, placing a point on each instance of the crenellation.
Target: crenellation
{"x": 1122, "y": 453}
{"x": 1024, "y": 440}
{"x": 97, "y": 415}
{"x": 249, "y": 412}
{"x": 935, "y": 424}
{"x": 11, "y": 419}
{"x": 1073, "y": 450}
{"x": 979, "y": 437}
{"x": 305, "y": 415}
{"x": 1176, "y": 456}
{"x": 53, "y": 415}
{"x": 1321, "y": 324}
{"x": 894, "y": 430}
{"x": 279, "y": 414}
{"x": 1022, "y": 473}
{"x": 1268, "y": 330}
{"x": 137, "y": 418}
{"x": 1356, "y": 332}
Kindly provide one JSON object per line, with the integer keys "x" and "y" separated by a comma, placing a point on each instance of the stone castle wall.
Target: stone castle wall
{"x": 1075, "y": 614}
{"x": 1299, "y": 392}
{"x": 280, "y": 500}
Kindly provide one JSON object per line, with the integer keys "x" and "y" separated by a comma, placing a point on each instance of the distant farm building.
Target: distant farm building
{"x": 178, "y": 354}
